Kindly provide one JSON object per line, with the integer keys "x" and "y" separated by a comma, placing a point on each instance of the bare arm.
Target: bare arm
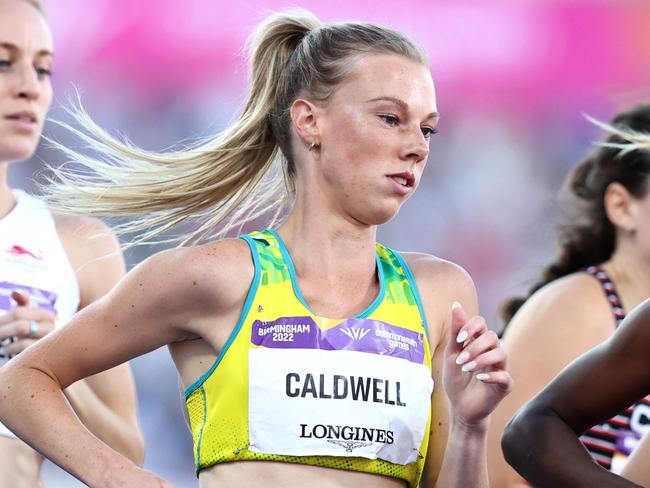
{"x": 555, "y": 326}
{"x": 106, "y": 403}
{"x": 541, "y": 441}
{"x": 153, "y": 305}
{"x": 460, "y": 409}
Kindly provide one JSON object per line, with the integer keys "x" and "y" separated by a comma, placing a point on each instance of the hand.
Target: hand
{"x": 24, "y": 325}
{"x": 474, "y": 373}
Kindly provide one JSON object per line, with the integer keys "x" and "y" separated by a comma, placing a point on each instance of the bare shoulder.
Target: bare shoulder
{"x": 217, "y": 274}
{"x": 574, "y": 305}
{"x": 428, "y": 266}
{"x": 441, "y": 283}
{"x": 439, "y": 276}
{"x": 85, "y": 237}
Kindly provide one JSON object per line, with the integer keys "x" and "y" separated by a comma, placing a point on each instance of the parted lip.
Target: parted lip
{"x": 23, "y": 115}
{"x": 407, "y": 175}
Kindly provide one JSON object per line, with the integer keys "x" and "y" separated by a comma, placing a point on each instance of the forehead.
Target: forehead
{"x": 390, "y": 75}
{"x": 23, "y": 26}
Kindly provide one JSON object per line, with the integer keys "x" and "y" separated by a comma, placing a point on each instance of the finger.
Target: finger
{"x": 14, "y": 328}
{"x": 18, "y": 346}
{"x": 458, "y": 320}
{"x": 472, "y": 329}
{"x": 23, "y": 328}
{"x": 494, "y": 358}
{"x": 27, "y": 313}
{"x": 501, "y": 379}
{"x": 21, "y": 298}
{"x": 486, "y": 341}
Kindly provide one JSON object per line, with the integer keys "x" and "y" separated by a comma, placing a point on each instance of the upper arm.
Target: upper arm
{"x": 440, "y": 283}
{"x": 94, "y": 253}
{"x": 151, "y": 306}
{"x": 606, "y": 379}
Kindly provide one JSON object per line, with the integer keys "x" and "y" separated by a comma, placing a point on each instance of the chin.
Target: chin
{"x": 380, "y": 216}
{"x": 17, "y": 152}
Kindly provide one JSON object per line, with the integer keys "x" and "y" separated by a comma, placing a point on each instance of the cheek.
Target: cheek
{"x": 45, "y": 100}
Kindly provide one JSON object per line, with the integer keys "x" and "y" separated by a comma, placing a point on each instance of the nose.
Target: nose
{"x": 417, "y": 147}
{"x": 26, "y": 82}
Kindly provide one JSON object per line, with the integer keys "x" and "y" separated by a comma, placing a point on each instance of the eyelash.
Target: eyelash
{"x": 430, "y": 131}
{"x": 40, "y": 72}
{"x": 393, "y": 120}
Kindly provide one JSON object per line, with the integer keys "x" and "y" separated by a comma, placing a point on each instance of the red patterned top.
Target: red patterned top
{"x": 612, "y": 442}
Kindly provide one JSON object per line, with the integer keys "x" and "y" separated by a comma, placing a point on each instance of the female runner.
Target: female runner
{"x": 309, "y": 353}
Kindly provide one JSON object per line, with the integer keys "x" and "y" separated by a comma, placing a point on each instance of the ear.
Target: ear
{"x": 620, "y": 207}
{"x": 304, "y": 116}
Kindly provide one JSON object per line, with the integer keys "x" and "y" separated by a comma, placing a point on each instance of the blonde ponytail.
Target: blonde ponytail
{"x": 247, "y": 171}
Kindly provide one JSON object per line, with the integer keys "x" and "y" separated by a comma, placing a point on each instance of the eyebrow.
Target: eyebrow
{"x": 402, "y": 104}
{"x": 13, "y": 47}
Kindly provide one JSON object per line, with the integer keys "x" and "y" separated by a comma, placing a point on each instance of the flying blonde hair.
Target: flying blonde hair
{"x": 633, "y": 140}
{"x": 245, "y": 172}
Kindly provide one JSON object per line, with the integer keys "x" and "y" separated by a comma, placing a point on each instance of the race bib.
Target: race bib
{"x": 358, "y": 388}
{"x": 628, "y": 439}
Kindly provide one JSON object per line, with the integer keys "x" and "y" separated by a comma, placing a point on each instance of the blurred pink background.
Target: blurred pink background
{"x": 513, "y": 80}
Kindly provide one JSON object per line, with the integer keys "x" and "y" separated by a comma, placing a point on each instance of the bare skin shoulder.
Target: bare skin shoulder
{"x": 556, "y": 325}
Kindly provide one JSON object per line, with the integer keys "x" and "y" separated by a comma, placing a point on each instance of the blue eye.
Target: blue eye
{"x": 391, "y": 120}
{"x": 43, "y": 73}
{"x": 429, "y": 131}
{"x": 4, "y": 63}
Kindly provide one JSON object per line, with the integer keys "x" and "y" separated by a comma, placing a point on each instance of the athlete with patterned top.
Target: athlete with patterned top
{"x": 603, "y": 269}
{"x": 310, "y": 354}
{"x": 541, "y": 441}
{"x": 50, "y": 265}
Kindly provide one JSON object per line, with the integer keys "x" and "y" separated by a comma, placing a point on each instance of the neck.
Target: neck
{"x": 629, "y": 268}
{"x": 323, "y": 242}
{"x": 7, "y": 200}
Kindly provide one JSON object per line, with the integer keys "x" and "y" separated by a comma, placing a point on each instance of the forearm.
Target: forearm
{"x": 465, "y": 461}
{"x": 34, "y": 407}
{"x": 545, "y": 451}
{"x": 105, "y": 423}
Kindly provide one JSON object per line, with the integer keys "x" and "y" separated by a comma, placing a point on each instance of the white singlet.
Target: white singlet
{"x": 34, "y": 262}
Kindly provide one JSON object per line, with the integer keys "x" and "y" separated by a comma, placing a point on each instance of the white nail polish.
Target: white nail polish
{"x": 455, "y": 305}
{"x": 462, "y": 357}
{"x": 482, "y": 376}
{"x": 471, "y": 366}
{"x": 462, "y": 336}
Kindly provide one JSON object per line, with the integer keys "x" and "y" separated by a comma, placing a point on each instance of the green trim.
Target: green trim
{"x": 198, "y": 444}
{"x": 296, "y": 289}
{"x": 247, "y": 305}
{"x": 414, "y": 288}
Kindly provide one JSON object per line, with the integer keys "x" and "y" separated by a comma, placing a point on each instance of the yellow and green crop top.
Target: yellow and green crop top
{"x": 352, "y": 394}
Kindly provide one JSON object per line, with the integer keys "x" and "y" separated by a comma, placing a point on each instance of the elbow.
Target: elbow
{"x": 525, "y": 438}
{"x": 513, "y": 442}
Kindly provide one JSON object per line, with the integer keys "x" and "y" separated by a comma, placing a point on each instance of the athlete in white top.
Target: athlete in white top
{"x": 49, "y": 265}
